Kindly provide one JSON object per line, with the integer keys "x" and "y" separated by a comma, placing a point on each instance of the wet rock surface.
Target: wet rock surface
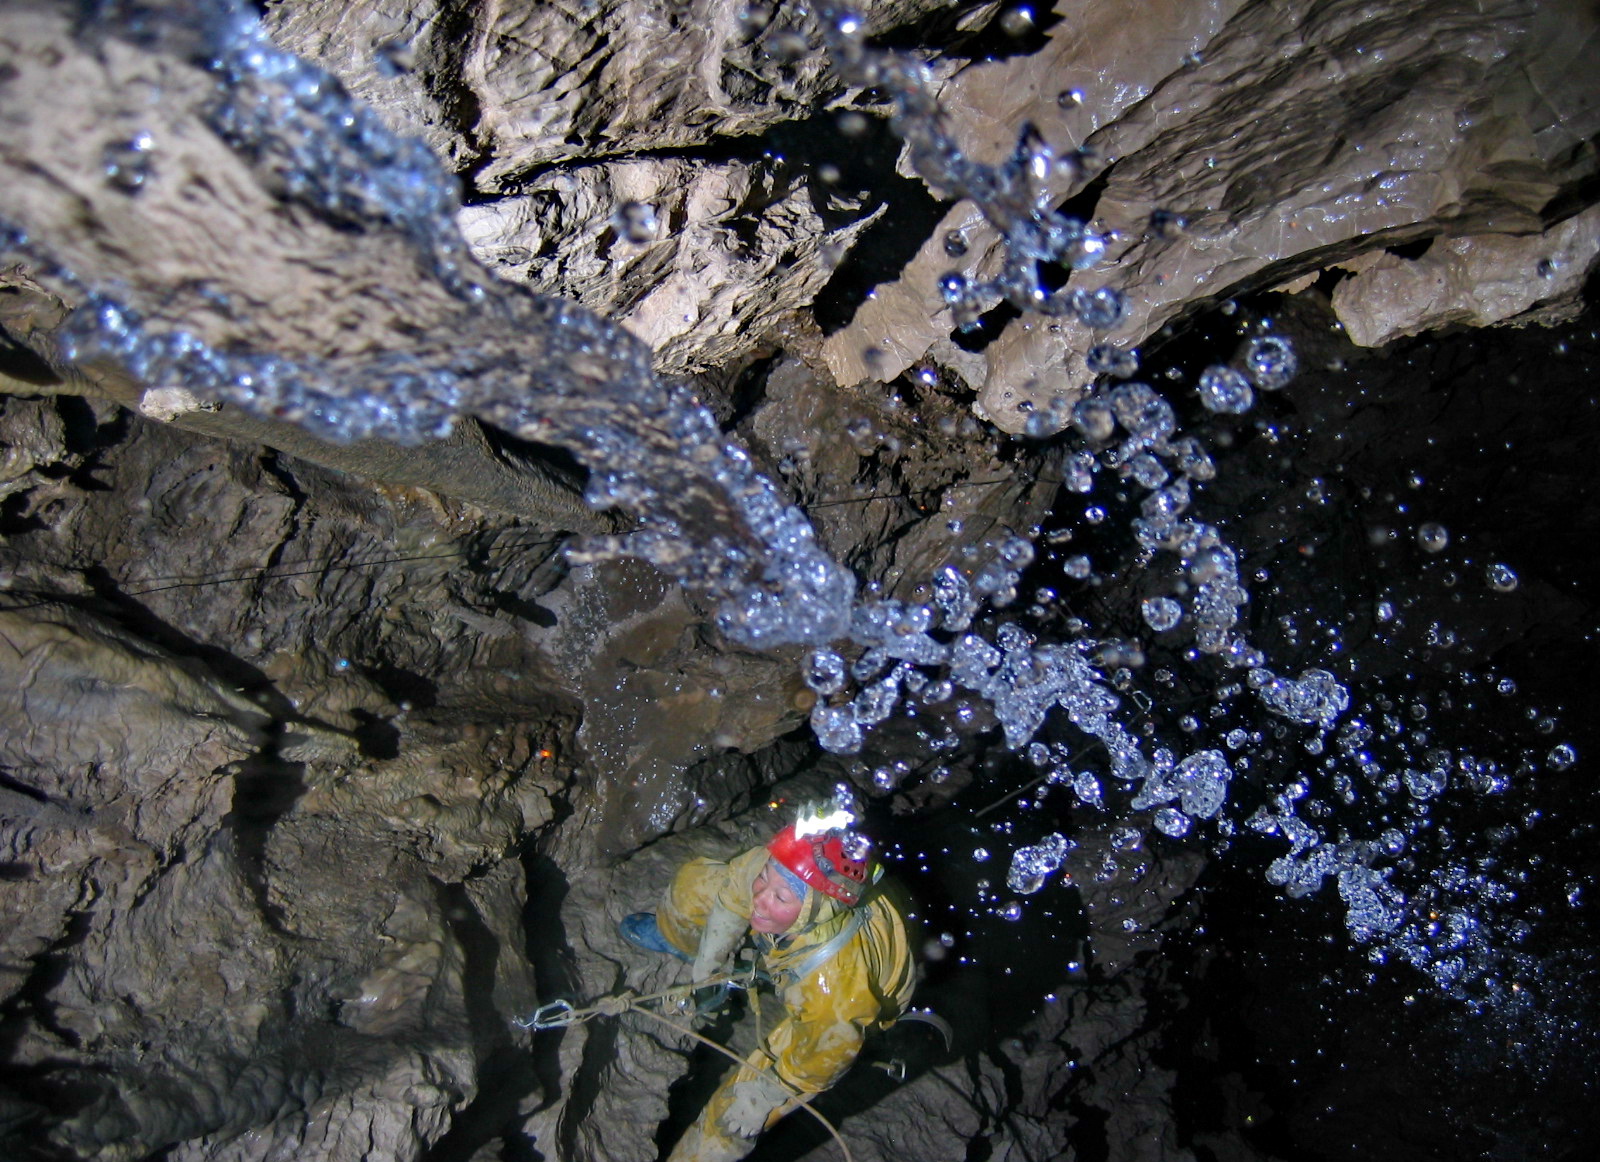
{"x": 320, "y": 763}
{"x": 1248, "y": 144}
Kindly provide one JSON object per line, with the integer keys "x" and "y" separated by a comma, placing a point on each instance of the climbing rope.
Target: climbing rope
{"x": 561, "y": 1014}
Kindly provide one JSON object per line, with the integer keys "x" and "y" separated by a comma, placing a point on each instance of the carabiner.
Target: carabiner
{"x": 554, "y": 1015}
{"x": 895, "y": 1068}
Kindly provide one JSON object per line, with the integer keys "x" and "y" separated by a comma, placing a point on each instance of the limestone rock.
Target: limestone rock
{"x": 698, "y": 260}
{"x": 1280, "y": 140}
{"x": 509, "y": 89}
{"x": 1474, "y": 280}
{"x": 1097, "y": 67}
{"x": 654, "y": 701}
{"x": 896, "y": 482}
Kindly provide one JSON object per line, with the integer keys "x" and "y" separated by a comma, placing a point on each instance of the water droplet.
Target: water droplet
{"x": 1171, "y": 821}
{"x": 1161, "y": 613}
{"x": 824, "y": 672}
{"x": 788, "y": 46}
{"x": 1031, "y": 866}
{"x": 393, "y": 58}
{"x": 1226, "y": 391}
{"x": 753, "y": 19}
{"x": 1094, "y": 419}
{"x": 1106, "y": 359}
{"x": 1017, "y": 21}
{"x": 1432, "y": 536}
{"x": 853, "y": 124}
{"x": 128, "y": 164}
{"x": 1501, "y": 578}
{"x": 953, "y": 288}
{"x": 1270, "y": 362}
{"x": 636, "y": 222}
{"x": 1425, "y": 784}
{"x": 1102, "y": 308}
{"x": 1167, "y": 224}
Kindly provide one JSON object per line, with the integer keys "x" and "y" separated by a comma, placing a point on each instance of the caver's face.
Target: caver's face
{"x": 775, "y": 907}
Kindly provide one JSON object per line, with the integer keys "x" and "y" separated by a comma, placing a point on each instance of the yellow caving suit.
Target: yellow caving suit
{"x": 867, "y": 982}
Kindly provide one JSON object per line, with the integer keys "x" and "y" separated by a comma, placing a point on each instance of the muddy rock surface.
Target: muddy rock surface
{"x": 323, "y": 761}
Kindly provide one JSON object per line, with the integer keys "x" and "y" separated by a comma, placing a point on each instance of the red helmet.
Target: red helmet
{"x": 836, "y": 863}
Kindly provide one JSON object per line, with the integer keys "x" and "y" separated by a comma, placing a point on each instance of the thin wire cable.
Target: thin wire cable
{"x": 330, "y": 563}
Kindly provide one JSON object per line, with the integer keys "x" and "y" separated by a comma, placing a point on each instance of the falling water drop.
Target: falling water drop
{"x": 1562, "y": 757}
{"x": 1270, "y": 362}
{"x": 127, "y": 164}
{"x": 1432, "y": 536}
{"x": 1161, "y": 613}
{"x": 1501, "y": 578}
{"x": 636, "y": 222}
{"x": 1226, "y": 391}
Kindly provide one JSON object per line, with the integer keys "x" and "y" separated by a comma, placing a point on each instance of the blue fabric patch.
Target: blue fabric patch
{"x": 640, "y": 930}
{"x": 799, "y": 885}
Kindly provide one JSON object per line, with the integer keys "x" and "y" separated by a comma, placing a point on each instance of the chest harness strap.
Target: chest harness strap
{"x": 822, "y": 953}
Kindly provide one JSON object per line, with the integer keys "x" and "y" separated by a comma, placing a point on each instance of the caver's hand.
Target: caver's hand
{"x": 718, "y": 939}
{"x": 754, "y": 1099}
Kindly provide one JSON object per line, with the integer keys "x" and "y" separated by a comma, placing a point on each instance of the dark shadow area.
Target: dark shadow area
{"x": 142, "y": 622}
{"x": 505, "y": 1069}
{"x": 1411, "y": 251}
{"x": 30, "y": 1004}
{"x": 19, "y": 361}
{"x": 862, "y": 150}
{"x": 976, "y": 336}
{"x": 481, "y": 952}
{"x": 1015, "y": 28}
{"x": 551, "y": 956}
{"x": 24, "y": 789}
{"x": 512, "y": 1066}
{"x": 40, "y": 1095}
{"x": 556, "y": 463}
{"x": 265, "y": 789}
{"x": 83, "y": 433}
{"x": 687, "y": 1096}
{"x": 15, "y": 520}
{"x": 377, "y": 738}
{"x": 403, "y": 687}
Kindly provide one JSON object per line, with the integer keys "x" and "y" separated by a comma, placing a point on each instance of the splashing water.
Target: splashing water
{"x": 709, "y": 517}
